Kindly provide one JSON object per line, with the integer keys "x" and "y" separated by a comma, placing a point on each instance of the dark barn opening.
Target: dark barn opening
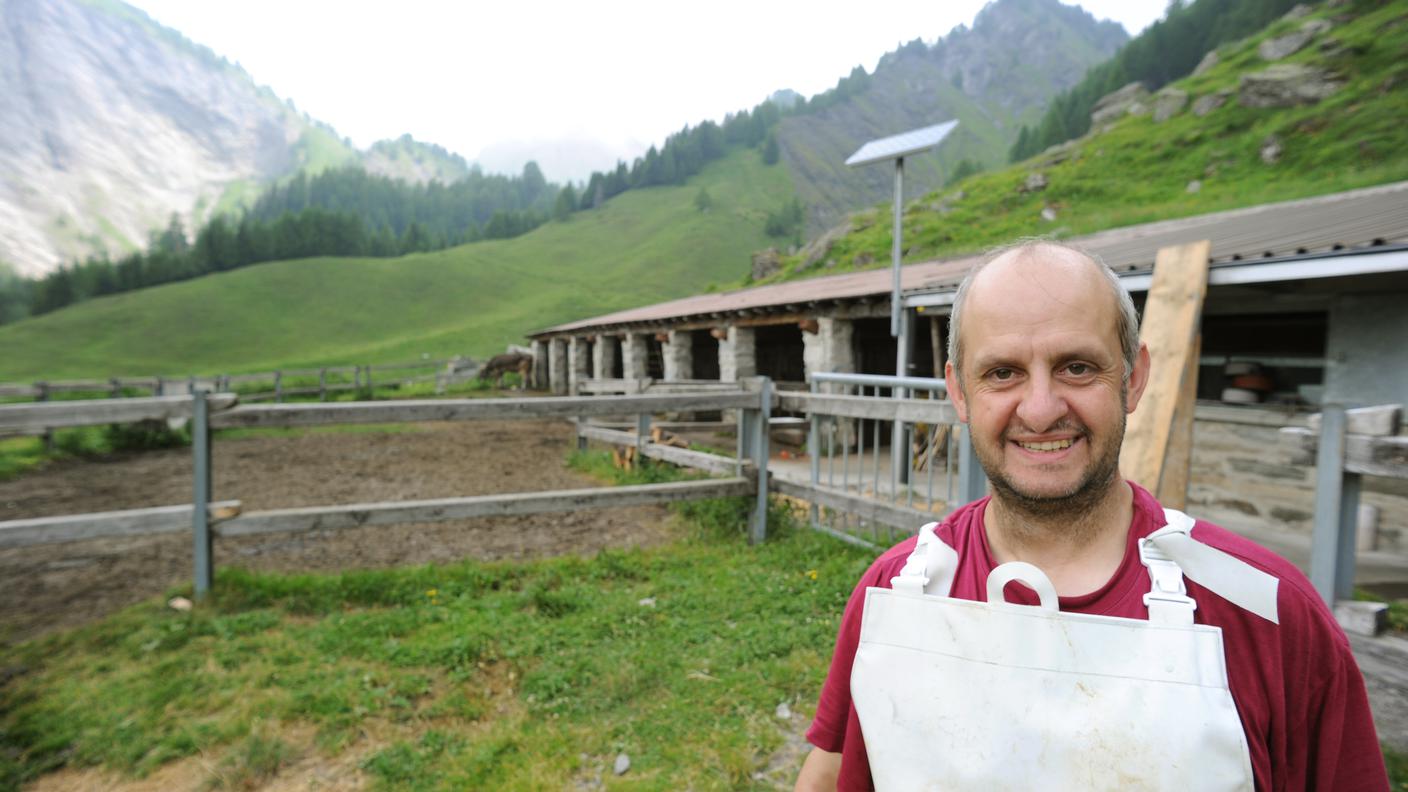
{"x": 618, "y": 363}
{"x": 1289, "y": 348}
{"x": 779, "y": 352}
{"x": 654, "y": 358}
{"x": 704, "y": 354}
{"x": 874, "y": 346}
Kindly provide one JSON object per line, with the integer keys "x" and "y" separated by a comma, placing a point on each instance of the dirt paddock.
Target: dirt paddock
{"x": 60, "y": 586}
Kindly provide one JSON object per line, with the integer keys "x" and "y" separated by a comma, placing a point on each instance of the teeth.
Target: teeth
{"x": 1051, "y": 445}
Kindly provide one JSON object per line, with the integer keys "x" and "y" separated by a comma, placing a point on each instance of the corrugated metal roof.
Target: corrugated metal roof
{"x": 1358, "y": 218}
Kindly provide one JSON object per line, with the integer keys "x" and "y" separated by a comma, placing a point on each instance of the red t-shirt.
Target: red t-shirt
{"x": 1297, "y": 688}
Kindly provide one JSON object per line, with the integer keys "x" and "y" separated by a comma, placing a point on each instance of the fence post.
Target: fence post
{"x": 972, "y": 481}
{"x": 369, "y": 382}
{"x": 322, "y": 384}
{"x": 116, "y": 387}
{"x": 642, "y": 432}
{"x": 160, "y": 389}
{"x": 1336, "y": 504}
{"x": 813, "y": 449}
{"x": 758, "y": 523}
{"x": 42, "y": 395}
{"x": 203, "y": 560}
{"x": 278, "y": 386}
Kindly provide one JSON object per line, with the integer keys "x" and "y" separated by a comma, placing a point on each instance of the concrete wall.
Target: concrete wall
{"x": 608, "y": 348}
{"x": 737, "y": 355}
{"x": 830, "y": 348}
{"x": 540, "y": 365}
{"x": 557, "y": 366}
{"x": 678, "y": 354}
{"x": 1368, "y": 336}
{"x": 1245, "y": 476}
{"x": 579, "y": 358}
{"x": 635, "y": 356}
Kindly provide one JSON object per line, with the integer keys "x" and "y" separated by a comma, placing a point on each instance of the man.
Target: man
{"x": 1044, "y": 364}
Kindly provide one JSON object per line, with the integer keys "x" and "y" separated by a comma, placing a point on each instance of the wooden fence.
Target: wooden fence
{"x": 741, "y": 476}
{"x": 261, "y": 386}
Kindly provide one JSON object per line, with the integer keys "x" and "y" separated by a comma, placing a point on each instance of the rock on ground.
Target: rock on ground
{"x": 1287, "y": 85}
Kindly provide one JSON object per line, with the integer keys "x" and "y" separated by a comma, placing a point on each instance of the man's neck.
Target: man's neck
{"x": 1078, "y": 552}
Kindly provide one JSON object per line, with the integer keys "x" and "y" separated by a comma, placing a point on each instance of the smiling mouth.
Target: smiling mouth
{"x": 1049, "y": 445}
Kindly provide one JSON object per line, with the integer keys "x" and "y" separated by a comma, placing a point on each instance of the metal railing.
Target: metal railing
{"x": 927, "y": 470}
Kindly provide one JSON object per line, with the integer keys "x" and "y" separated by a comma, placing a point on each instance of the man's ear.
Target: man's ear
{"x": 1138, "y": 379}
{"x": 955, "y": 391}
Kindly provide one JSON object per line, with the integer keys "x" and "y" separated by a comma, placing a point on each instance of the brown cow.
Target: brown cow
{"x": 499, "y": 365}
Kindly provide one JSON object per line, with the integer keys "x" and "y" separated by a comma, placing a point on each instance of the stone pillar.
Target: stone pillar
{"x": 540, "y": 365}
{"x": 579, "y": 362}
{"x": 607, "y": 348}
{"x": 635, "y": 356}
{"x": 679, "y": 355}
{"x": 738, "y": 355}
{"x": 829, "y": 349}
{"x": 557, "y": 366}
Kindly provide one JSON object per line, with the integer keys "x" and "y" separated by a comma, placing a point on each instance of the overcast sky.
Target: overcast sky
{"x": 476, "y": 75}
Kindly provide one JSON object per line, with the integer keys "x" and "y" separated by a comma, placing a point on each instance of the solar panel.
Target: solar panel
{"x": 901, "y": 145}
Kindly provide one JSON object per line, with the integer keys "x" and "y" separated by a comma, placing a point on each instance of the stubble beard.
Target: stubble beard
{"x": 1071, "y": 508}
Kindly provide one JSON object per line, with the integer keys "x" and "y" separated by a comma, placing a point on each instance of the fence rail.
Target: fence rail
{"x": 207, "y": 520}
{"x": 330, "y": 379}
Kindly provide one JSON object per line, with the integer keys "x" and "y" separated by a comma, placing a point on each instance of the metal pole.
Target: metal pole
{"x": 814, "y": 448}
{"x": 1329, "y": 482}
{"x": 895, "y": 250}
{"x": 758, "y": 525}
{"x": 898, "y": 453}
{"x": 203, "y": 560}
{"x": 1350, "y": 484}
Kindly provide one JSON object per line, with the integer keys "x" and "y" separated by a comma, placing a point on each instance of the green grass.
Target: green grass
{"x": 641, "y": 247}
{"x": 470, "y": 675}
{"x": 1138, "y": 170}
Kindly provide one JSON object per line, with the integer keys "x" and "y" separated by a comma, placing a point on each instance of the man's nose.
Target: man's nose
{"x": 1043, "y": 405}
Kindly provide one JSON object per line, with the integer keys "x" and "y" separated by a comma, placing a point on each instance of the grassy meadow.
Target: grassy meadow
{"x": 641, "y": 247}
{"x": 1138, "y": 170}
{"x": 530, "y": 675}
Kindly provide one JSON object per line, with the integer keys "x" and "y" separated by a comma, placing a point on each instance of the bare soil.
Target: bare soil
{"x": 61, "y": 586}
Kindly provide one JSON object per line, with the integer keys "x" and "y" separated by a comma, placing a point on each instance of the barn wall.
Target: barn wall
{"x": 1244, "y": 474}
{"x": 1367, "y": 342}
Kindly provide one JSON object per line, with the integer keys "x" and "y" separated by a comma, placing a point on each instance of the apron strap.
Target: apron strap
{"x": 1174, "y": 548}
{"x": 930, "y": 568}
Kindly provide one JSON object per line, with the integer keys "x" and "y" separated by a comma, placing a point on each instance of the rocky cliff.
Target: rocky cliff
{"x": 112, "y": 123}
{"x": 992, "y": 77}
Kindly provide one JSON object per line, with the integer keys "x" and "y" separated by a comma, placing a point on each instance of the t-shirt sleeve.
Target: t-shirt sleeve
{"x": 1334, "y": 725}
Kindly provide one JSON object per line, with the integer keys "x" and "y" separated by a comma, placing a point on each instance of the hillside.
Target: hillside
{"x": 113, "y": 123}
{"x": 1221, "y": 139}
{"x": 993, "y": 78}
{"x": 643, "y": 246}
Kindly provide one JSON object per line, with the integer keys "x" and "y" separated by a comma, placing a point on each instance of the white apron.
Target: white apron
{"x": 961, "y": 695}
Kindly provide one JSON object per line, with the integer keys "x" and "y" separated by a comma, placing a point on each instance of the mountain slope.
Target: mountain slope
{"x": 643, "y": 246}
{"x": 113, "y": 123}
{"x": 1218, "y": 148}
{"x": 993, "y": 78}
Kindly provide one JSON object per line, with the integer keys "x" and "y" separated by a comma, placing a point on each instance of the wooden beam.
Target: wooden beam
{"x": 1172, "y": 489}
{"x": 905, "y": 518}
{"x": 445, "y": 509}
{"x": 1172, "y": 315}
{"x": 101, "y": 525}
{"x": 37, "y": 417}
{"x": 475, "y": 409}
{"x": 933, "y": 411}
{"x": 713, "y": 463}
{"x": 1366, "y": 455}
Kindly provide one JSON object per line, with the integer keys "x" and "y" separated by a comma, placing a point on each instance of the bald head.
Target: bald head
{"x": 1051, "y": 268}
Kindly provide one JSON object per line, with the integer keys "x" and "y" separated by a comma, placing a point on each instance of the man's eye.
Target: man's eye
{"x": 1003, "y": 374}
{"x": 1078, "y": 369}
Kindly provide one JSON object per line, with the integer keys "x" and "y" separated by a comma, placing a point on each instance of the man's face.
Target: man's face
{"x": 1043, "y": 386}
